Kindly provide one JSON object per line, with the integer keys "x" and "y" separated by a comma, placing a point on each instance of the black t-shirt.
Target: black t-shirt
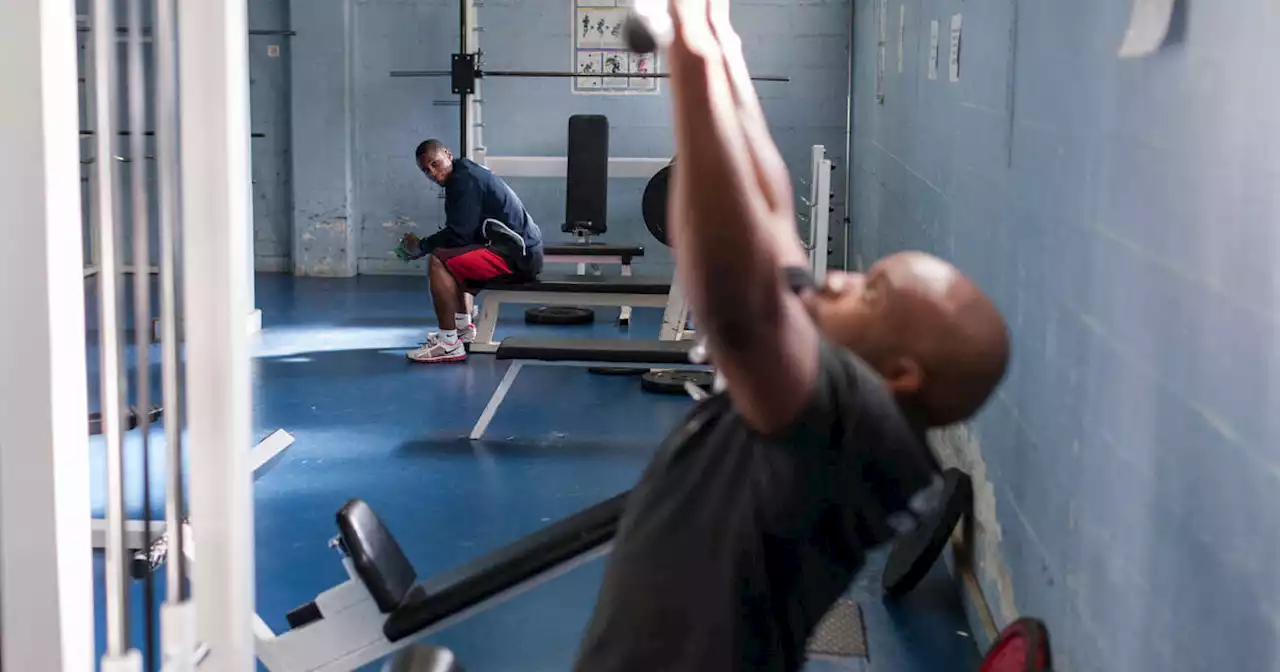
{"x": 734, "y": 545}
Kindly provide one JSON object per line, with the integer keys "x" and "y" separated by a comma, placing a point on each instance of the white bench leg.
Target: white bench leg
{"x": 487, "y": 324}
{"x": 676, "y": 314}
{"x": 496, "y": 400}
{"x": 624, "y": 316}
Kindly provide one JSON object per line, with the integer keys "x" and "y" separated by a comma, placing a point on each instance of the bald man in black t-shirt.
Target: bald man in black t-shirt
{"x": 758, "y": 509}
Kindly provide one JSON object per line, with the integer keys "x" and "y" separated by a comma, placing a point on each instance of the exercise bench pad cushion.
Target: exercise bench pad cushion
{"x": 587, "y": 169}
{"x": 592, "y": 250}
{"x": 588, "y": 284}
{"x": 506, "y": 568}
{"x": 612, "y": 350}
{"x": 378, "y": 560}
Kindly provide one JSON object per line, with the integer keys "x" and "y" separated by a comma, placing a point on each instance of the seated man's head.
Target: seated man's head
{"x": 938, "y": 341}
{"x": 434, "y": 160}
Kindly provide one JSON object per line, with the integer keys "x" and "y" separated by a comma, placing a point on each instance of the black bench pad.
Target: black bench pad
{"x": 612, "y": 350}
{"x": 378, "y": 560}
{"x": 588, "y": 284}
{"x": 440, "y": 597}
{"x": 592, "y": 250}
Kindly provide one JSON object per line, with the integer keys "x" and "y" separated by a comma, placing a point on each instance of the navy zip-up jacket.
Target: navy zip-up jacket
{"x": 474, "y": 194}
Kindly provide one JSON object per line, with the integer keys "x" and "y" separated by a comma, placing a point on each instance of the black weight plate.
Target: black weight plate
{"x": 130, "y": 419}
{"x": 653, "y": 205}
{"x": 672, "y": 382}
{"x": 559, "y": 315}
{"x": 915, "y": 552}
{"x": 617, "y": 370}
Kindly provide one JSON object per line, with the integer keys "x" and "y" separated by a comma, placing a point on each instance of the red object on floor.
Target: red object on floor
{"x": 1022, "y": 647}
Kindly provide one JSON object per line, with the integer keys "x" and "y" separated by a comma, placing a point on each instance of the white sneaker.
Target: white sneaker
{"x": 467, "y": 336}
{"x": 435, "y": 351}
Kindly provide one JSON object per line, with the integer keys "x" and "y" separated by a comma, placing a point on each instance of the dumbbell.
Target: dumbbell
{"x": 648, "y": 26}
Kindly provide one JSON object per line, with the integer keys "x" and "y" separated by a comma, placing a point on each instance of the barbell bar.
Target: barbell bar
{"x": 480, "y": 74}
{"x": 86, "y": 133}
{"x": 122, "y": 30}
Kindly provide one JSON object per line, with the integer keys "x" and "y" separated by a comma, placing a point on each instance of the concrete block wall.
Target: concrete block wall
{"x": 354, "y": 127}
{"x": 270, "y": 58}
{"x": 325, "y": 236}
{"x": 1124, "y": 215}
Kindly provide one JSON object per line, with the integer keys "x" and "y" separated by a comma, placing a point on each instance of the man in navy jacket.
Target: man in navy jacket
{"x": 488, "y": 236}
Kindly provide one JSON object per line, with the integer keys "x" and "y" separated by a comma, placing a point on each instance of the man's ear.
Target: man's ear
{"x": 903, "y": 375}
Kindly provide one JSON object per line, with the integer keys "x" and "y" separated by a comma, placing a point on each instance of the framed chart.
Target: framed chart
{"x": 600, "y": 52}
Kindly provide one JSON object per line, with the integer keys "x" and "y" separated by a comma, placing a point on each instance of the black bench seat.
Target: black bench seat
{"x": 592, "y": 250}
{"x": 567, "y": 283}
{"x": 522, "y": 561}
{"x": 612, "y": 350}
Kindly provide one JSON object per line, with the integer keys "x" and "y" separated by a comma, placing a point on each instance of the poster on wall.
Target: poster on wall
{"x": 933, "y": 49}
{"x": 600, "y": 54}
{"x": 956, "y": 24}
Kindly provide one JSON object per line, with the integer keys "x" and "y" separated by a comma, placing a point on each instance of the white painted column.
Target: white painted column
{"x": 254, "y": 314}
{"x": 213, "y": 68}
{"x": 475, "y": 102}
{"x": 46, "y": 578}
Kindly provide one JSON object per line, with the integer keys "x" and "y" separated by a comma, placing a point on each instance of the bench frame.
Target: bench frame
{"x": 509, "y": 378}
{"x": 495, "y": 297}
{"x": 584, "y": 258}
{"x": 262, "y": 458}
{"x": 348, "y": 634}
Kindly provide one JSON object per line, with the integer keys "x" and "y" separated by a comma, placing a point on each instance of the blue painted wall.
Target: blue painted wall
{"x": 269, "y": 110}
{"x": 1124, "y": 214}
{"x": 388, "y": 117}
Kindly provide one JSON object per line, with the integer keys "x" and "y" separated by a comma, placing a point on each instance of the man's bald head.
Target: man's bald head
{"x": 936, "y": 338}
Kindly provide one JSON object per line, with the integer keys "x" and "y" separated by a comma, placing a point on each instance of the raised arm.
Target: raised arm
{"x": 733, "y": 222}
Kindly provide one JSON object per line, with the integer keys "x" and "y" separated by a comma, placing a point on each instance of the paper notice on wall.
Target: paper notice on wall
{"x": 902, "y": 33}
{"x": 933, "y": 50}
{"x": 955, "y": 48}
{"x": 1148, "y": 26}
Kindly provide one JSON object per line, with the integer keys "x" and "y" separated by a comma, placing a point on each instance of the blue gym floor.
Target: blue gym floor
{"x": 329, "y": 367}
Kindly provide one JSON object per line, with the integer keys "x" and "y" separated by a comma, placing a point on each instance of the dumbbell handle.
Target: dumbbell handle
{"x": 147, "y": 560}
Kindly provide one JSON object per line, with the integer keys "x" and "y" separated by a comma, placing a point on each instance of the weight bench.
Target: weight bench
{"x": 592, "y": 253}
{"x": 381, "y": 608}
{"x": 569, "y": 290}
{"x": 586, "y": 252}
{"x": 580, "y": 352}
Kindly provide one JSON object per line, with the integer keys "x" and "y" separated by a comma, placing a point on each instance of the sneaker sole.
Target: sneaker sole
{"x": 466, "y": 345}
{"x": 442, "y": 360}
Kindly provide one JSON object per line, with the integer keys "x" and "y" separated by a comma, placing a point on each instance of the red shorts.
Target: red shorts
{"x": 473, "y": 266}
